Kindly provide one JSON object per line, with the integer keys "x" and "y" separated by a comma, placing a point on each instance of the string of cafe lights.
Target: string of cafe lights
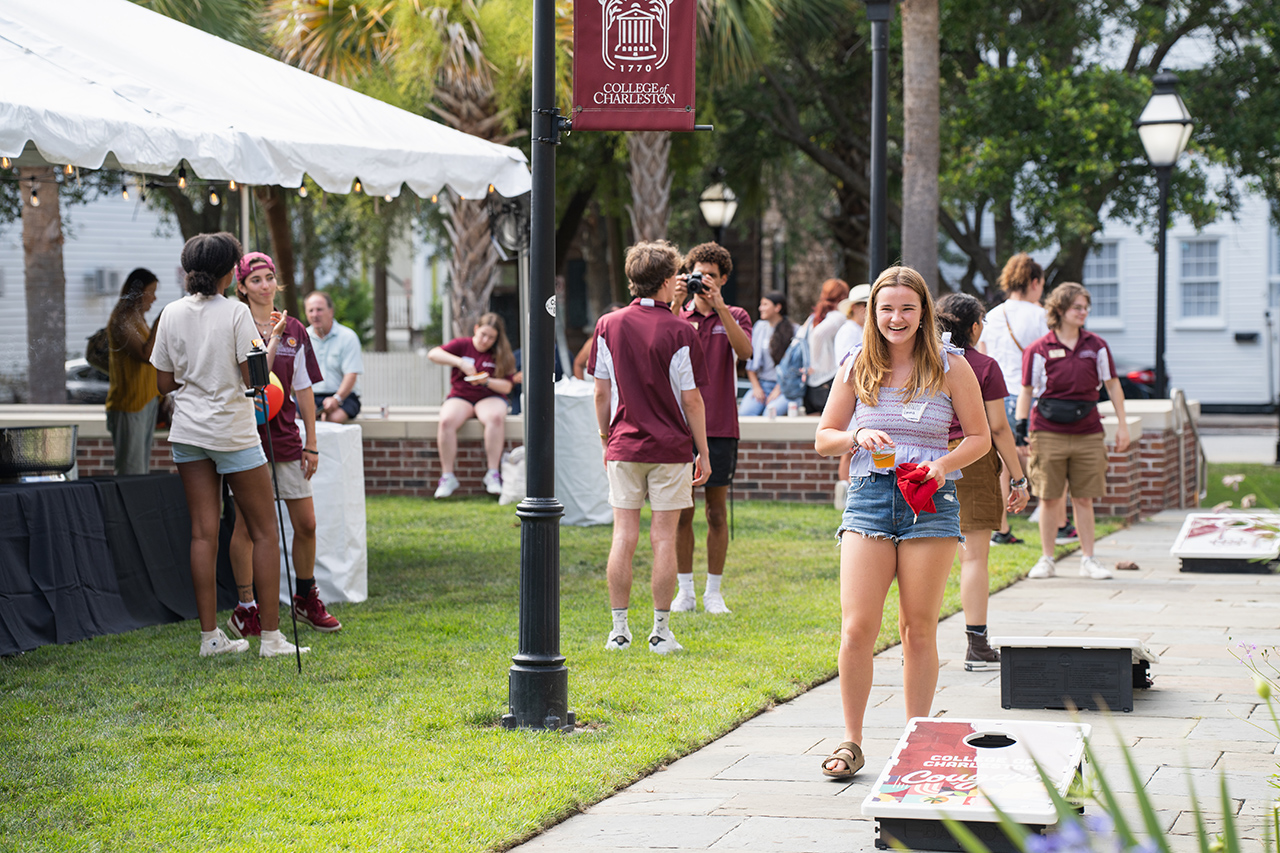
{"x": 142, "y": 184}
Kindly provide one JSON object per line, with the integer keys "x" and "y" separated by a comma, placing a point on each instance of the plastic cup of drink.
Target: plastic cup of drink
{"x": 793, "y": 410}
{"x": 884, "y": 458}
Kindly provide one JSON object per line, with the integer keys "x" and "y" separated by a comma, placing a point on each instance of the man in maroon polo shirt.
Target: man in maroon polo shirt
{"x": 725, "y": 332}
{"x": 648, "y": 366}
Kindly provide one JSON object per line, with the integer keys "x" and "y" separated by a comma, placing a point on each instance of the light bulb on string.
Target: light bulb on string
{"x": 388, "y": 198}
{"x": 35, "y": 196}
{"x": 68, "y": 169}
{"x": 434, "y": 197}
{"x": 490, "y": 187}
{"x": 5, "y": 162}
{"x": 124, "y": 190}
{"x": 182, "y": 177}
{"x": 302, "y": 191}
{"x": 357, "y": 187}
{"x": 233, "y": 186}
{"x": 213, "y": 197}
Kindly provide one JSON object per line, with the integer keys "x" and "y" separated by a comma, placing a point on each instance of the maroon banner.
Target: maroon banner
{"x": 633, "y": 64}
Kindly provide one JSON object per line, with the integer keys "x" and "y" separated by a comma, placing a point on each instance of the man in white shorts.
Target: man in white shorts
{"x": 648, "y": 365}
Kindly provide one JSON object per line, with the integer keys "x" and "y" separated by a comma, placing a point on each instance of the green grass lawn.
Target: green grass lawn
{"x": 1263, "y": 481}
{"x": 388, "y": 741}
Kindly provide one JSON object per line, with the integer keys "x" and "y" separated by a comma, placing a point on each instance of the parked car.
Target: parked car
{"x": 85, "y": 383}
{"x": 1138, "y": 383}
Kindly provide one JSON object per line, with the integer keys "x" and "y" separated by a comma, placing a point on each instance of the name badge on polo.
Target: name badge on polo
{"x": 914, "y": 411}
{"x": 1057, "y": 353}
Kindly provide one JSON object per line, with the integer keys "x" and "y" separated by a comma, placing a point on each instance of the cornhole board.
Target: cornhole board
{"x": 958, "y": 768}
{"x": 1047, "y": 672}
{"x": 1228, "y": 542}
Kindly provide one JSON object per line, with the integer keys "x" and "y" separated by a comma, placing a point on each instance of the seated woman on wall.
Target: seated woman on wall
{"x": 770, "y": 337}
{"x": 483, "y": 373}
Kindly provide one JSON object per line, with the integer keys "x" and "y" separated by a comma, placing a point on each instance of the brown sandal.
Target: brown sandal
{"x": 851, "y": 755}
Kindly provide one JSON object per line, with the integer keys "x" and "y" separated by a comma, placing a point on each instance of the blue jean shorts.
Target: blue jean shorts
{"x": 224, "y": 461}
{"x": 876, "y": 508}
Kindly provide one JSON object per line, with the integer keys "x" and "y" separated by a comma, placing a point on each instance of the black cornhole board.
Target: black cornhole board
{"x": 1089, "y": 673}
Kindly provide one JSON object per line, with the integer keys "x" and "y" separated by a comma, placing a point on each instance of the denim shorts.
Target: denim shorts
{"x": 876, "y": 508}
{"x": 224, "y": 461}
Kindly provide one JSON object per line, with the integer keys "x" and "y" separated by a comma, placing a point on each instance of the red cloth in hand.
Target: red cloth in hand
{"x": 917, "y": 487}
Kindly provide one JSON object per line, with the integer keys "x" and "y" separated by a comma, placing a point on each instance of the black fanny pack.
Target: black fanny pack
{"x": 1065, "y": 411}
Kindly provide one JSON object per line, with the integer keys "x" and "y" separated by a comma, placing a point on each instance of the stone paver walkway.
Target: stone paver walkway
{"x": 760, "y": 788}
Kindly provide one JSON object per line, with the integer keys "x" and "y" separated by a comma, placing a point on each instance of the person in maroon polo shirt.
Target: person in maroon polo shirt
{"x": 647, "y": 366}
{"x": 725, "y": 333}
{"x": 1066, "y": 434}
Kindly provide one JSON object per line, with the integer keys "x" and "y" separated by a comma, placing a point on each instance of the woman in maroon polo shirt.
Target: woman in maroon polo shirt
{"x": 1066, "y": 434}
{"x": 483, "y": 373}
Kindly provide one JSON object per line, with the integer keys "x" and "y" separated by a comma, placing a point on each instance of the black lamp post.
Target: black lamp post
{"x": 718, "y": 205}
{"x": 538, "y": 683}
{"x": 878, "y": 13}
{"x": 1165, "y": 127}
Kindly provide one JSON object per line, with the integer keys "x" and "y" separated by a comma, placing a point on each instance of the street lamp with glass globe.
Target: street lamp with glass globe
{"x": 1164, "y": 127}
{"x": 718, "y": 204}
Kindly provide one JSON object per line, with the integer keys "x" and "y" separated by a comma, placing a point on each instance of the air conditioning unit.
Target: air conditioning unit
{"x": 102, "y": 282}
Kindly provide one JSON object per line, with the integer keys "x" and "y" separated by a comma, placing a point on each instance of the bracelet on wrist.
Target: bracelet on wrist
{"x": 312, "y": 452}
{"x": 1018, "y": 484}
{"x": 603, "y": 434}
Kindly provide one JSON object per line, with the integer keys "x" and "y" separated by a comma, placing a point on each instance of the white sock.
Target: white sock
{"x": 248, "y": 605}
{"x": 684, "y": 582}
{"x": 661, "y": 618}
{"x": 619, "y": 619}
{"x": 492, "y": 471}
{"x": 713, "y": 584}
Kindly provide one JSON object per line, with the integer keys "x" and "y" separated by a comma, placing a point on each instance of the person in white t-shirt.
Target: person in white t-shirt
{"x": 201, "y": 348}
{"x": 1011, "y": 327}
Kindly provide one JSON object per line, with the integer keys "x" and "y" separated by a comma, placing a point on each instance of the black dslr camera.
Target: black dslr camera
{"x": 693, "y": 284}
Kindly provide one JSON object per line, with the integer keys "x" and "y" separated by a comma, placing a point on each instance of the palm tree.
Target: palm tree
{"x": 921, "y": 149}
{"x": 730, "y": 31}
{"x": 432, "y": 57}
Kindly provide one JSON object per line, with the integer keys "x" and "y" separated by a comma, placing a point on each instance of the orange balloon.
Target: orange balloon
{"x": 275, "y": 399}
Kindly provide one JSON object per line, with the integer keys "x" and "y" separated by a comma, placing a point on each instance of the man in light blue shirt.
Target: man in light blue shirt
{"x": 337, "y": 349}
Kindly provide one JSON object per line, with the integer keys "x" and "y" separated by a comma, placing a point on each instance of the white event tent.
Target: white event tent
{"x": 109, "y": 84}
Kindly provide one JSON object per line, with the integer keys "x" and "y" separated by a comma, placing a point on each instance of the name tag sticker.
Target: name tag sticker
{"x": 1057, "y": 353}
{"x": 914, "y": 411}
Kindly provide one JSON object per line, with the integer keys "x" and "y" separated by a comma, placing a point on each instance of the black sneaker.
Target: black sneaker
{"x": 1006, "y": 538}
{"x": 980, "y": 656}
{"x": 1066, "y": 535}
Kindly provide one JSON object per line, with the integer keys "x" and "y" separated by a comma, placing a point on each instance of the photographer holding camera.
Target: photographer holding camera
{"x": 725, "y": 333}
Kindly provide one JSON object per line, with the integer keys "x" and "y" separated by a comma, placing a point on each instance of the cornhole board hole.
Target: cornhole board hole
{"x": 1228, "y": 542}
{"x": 958, "y": 768}
{"x": 1050, "y": 672}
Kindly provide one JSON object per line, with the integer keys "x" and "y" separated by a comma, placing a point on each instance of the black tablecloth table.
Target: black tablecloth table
{"x": 57, "y": 577}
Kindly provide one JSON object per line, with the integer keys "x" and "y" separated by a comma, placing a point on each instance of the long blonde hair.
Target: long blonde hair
{"x": 873, "y": 365}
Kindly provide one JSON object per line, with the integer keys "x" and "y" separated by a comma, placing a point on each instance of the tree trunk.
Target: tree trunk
{"x": 275, "y": 207}
{"x": 473, "y": 268}
{"x": 650, "y": 176}
{"x": 921, "y": 149}
{"x": 46, "y": 286}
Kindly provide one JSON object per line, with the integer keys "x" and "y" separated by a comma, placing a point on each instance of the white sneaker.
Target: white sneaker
{"x": 618, "y": 640}
{"x": 274, "y": 644}
{"x": 221, "y": 644}
{"x": 664, "y": 643}
{"x": 447, "y": 485}
{"x": 841, "y": 494}
{"x": 685, "y": 602}
{"x": 493, "y": 483}
{"x": 1042, "y": 569}
{"x": 1091, "y": 567}
{"x": 713, "y": 602}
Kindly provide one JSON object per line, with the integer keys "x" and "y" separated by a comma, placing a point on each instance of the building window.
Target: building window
{"x": 1200, "y": 286}
{"x": 1273, "y": 269}
{"x": 1102, "y": 277}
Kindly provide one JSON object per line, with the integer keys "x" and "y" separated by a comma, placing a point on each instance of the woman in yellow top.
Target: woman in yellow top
{"x": 132, "y": 398}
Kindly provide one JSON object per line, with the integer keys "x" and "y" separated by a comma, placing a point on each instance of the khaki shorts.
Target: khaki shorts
{"x": 1059, "y": 458}
{"x": 293, "y": 483}
{"x": 981, "y": 502}
{"x": 668, "y": 484}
